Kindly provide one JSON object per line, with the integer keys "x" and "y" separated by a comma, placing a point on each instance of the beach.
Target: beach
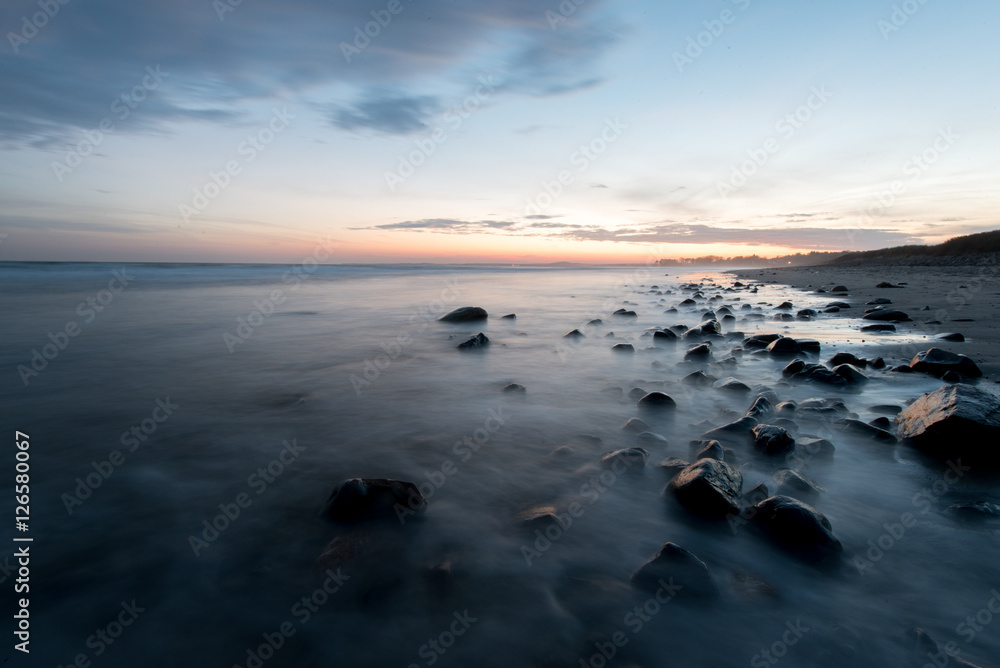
{"x": 204, "y": 438}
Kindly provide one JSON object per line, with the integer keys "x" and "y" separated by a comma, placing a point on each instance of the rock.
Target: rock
{"x": 629, "y": 456}
{"x": 636, "y": 425}
{"x": 688, "y": 302}
{"x": 625, "y": 313}
{"x": 673, "y": 565}
{"x": 698, "y": 379}
{"x": 636, "y": 393}
{"x": 792, "y": 368}
{"x": 761, "y": 409}
{"x": 845, "y": 358}
{"x": 699, "y": 352}
{"x": 839, "y": 288}
{"x": 953, "y": 336}
{"x": 465, "y": 314}
{"x": 797, "y": 527}
{"x": 575, "y": 334}
{"x": 806, "y": 313}
{"x": 365, "y": 499}
{"x": 879, "y": 328}
{"x": 672, "y": 466}
{"x": 952, "y": 377}
{"x": 852, "y": 374}
{"x": 756, "y": 495}
{"x": 664, "y": 337}
{"x": 739, "y": 431}
{"x": 885, "y": 284}
{"x": 784, "y": 346}
{"x": 887, "y": 315}
{"x": 937, "y": 362}
{"x": 732, "y": 385}
{"x": 789, "y": 482}
{"x": 878, "y": 301}
{"x": 786, "y": 408}
{"x": 708, "y": 450}
{"x": 708, "y": 488}
{"x": 509, "y": 316}
{"x": 759, "y": 341}
{"x": 656, "y": 400}
{"x": 888, "y": 409}
{"x": 877, "y": 363}
{"x": 654, "y": 438}
{"x": 859, "y": 428}
{"x": 817, "y": 373}
{"x": 623, "y": 348}
{"x": 954, "y": 421}
{"x": 840, "y": 305}
{"x": 882, "y": 422}
{"x": 808, "y": 345}
{"x": 514, "y": 387}
{"x": 539, "y": 517}
{"x": 477, "y": 341}
{"x": 784, "y": 306}
{"x": 772, "y": 440}
{"x": 595, "y": 321}
{"x": 975, "y": 512}
{"x": 816, "y": 447}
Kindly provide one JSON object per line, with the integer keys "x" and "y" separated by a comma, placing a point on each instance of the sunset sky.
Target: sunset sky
{"x": 508, "y": 130}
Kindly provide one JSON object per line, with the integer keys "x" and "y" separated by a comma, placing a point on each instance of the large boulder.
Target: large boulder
{"x": 656, "y": 401}
{"x": 954, "y": 421}
{"x": 769, "y": 439}
{"x": 709, "y": 488}
{"x": 465, "y": 314}
{"x": 797, "y": 527}
{"x": 937, "y": 362}
{"x": 364, "y": 499}
{"x": 673, "y": 565}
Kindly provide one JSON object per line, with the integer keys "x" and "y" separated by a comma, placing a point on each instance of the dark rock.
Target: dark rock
{"x": 636, "y": 393}
{"x": 364, "y": 499}
{"x": 672, "y": 466}
{"x": 882, "y": 422}
{"x": 708, "y": 450}
{"x": 953, "y": 336}
{"x": 815, "y": 447}
{"x": 852, "y": 374}
{"x": 789, "y": 482}
{"x": 877, "y": 363}
{"x": 653, "y": 438}
{"x": 817, "y": 373}
{"x": 878, "y": 301}
{"x": 539, "y": 517}
{"x": 755, "y": 495}
{"x": 625, "y": 313}
{"x": 863, "y": 429}
{"x": 636, "y": 425}
{"x": 708, "y": 488}
{"x": 657, "y": 400}
{"x": 954, "y": 421}
{"x": 784, "y": 306}
{"x": 732, "y": 385}
{"x": 596, "y": 321}
{"x": 937, "y": 362}
{"x": 887, "y": 316}
{"x": 838, "y": 305}
{"x": 806, "y": 313}
{"x": 759, "y": 341}
{"x": 797, "y": 527}
{"x": 698, "y": 352}
{"x": 509, "y": 316}
{"x": 688, "y": 302}
{"x": 465, "y": 314}
{"x": 630, "y": 457}
{"x": 784, "y": 346}
{"x": 786, "y": 408}
{"x": 772, "y": 440}
{"x": 888, "y": 409}
{"x": 952, "y": 377}
{"x": 672, "y": 566}
{"x": 738, "y": 431}
{"x": 698, "y": 379}
{"x": 761, "y": 409}
{"x": 885, "y": 284}
{"x": 879, "y": 328}
{"x": 664, "y": 336}
{"x": 845, "y": 358}
{"x": 623, "y": 348}
{"x": 477, "y": 341}
{"x": 514, "y": 387}
{"x": 792, "y": 368}
{"x": 839, "y": 288}
{"x": 575, "y": 334}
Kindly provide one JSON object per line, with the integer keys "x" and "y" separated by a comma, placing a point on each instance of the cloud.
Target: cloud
{"x": 66, "y": 77}
{"x": 445, "y": 225}
{"x": 387, "y": 113}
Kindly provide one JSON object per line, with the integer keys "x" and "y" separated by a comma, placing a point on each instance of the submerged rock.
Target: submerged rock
{"x": 477, "y": 341}
{"x": 859, "y": 428}
{"x": 675, "y": 567}
{"x": 636, "y": 425}
{"x": 732, "y": 385}
{"x": 708, "y": 488}
{"x": 887, "y": 316}
{"x": 954, "y": 421}
{"x": 938, "y": 362}
{"x": 699, "y": 352}
{"x": 656, "y": 400}
{"x": 364, "y": 499}
{"x": 789, "y": 482}
{"x": 628, "y": 456}
{"x": 575, "y": 334}
{"x": 797, "y": 527}
{"x": 623, "y": 348}
{"x": 672, "y": 466}
{"x": 465, "y": 314}
{"x": 738, "y": 430}
{"x": 514, "y": 387}
{"x": 708, "y": 450}
{"x": 784, "y": 346}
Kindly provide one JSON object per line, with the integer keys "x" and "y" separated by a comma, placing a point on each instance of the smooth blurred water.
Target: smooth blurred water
{"x": 353, "y": 367}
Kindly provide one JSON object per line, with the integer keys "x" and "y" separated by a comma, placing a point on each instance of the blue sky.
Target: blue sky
{"x": 504, "y": 130}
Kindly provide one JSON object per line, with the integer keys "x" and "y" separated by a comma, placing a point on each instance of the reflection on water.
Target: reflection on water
{"x": 210, "y": 519}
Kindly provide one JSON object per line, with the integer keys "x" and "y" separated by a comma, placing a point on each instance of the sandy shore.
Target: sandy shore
{"x": 962, "y": 299}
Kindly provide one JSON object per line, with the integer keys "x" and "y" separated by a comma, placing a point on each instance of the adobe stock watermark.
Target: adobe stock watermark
{"x": 900, "y": 16}
{"x": 122, "y": 106}
{"x": 912, "y": 171}
{"x": 566, "y": 9}
{"x": 697, "y": 44}
{"x": 779, "y": 648}
{"x": 451, "y": 120}
{"x": 437, "y": 647}
{"x": 582, "y": 159}
{"x": 372, "y": 369}
{"x": 31, "y": 25}
{"x": 636, "y": 620}
{"x": 363, "y": 35}
{"x": 895, "y": 532}
{"x": 249, "y": 149}
{"x": 464, "y": 449}
{"x": 132, "y": 438}
{"x": 301, "y": 611}
{"x": 87, "y": 310}
{"x": 786, "y": 127}
{"x": 258, "y": 481}
{"x": 263, "y": 309}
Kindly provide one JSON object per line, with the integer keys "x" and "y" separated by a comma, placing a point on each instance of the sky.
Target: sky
{"x": 503, "y": 131}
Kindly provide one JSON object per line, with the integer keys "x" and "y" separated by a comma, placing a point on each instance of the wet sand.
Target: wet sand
{"x": 961, "y": 299}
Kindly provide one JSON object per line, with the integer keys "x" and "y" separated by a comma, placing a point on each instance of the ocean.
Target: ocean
{"x": 188, "y": 422}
